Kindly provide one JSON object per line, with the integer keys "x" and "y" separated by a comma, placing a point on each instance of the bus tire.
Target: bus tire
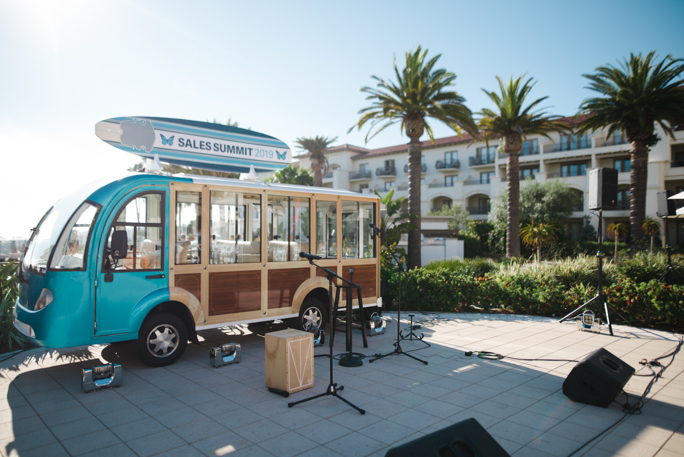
{"x": 162, "y": 339}
{"x": 312, "y": 312}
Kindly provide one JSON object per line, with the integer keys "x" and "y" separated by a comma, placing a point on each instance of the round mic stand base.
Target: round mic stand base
{"x": 350, "y": 360}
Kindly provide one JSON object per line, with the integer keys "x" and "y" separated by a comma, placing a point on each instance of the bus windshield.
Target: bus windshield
{"x": 45, "y": 235}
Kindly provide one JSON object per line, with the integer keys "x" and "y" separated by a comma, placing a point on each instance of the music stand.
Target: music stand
{"x": 600, "y": 296}
{"x": 397, "y": 345}
{"x": 332, "y": 389}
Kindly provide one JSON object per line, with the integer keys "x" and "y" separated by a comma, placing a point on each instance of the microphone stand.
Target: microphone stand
{"x": 332, "y": 388}
{"x": 397, "y": 345}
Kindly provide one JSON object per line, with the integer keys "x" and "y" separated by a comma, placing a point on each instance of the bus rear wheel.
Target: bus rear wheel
{"x": 312, "y": 313}
{"x": 162, "y": 340}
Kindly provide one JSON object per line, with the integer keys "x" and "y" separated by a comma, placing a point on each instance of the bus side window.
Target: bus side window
{"x": 235, "y": 227}
{"x": 288, "y": 227}
{"x": 188, "y": 227}
{"x": 326, "y": 229}
{"x": 142, "y": 219}
{"x": 350, "y": 230}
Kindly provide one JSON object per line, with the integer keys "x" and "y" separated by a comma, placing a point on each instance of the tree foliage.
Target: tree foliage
{"x": 459, "y": 216}
{"x": 420, "y": 92}
{"x": 292, "y": 175}
{"x": 316, "y": 146}
{"x": 512, "y": 122}
{"x": 635, "y": 96}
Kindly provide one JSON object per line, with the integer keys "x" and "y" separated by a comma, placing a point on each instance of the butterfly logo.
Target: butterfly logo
{"x": 168, "y": 141}
{"x": 281, "y": 156}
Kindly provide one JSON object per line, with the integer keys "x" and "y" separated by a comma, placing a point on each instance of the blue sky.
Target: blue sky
{"x": 288, "y": 69}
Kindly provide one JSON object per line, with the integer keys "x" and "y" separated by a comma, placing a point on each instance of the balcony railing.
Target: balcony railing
{"x": 479, "y": 160}
{"x": 677, "y": 163}
{"x": 559, "y": 147}
{"x": 423, "y": 168}
{"x": 477, "y": 211}
{"x": 448, "y": 164}
{"x": 473, "y": 182}
{"x": 403, "y": 187}
{"x": 440, "y": 184}
{"x": 523, "y": 153}
{"x": 562, "y": 175}
{"x": 611, "y": 141}
{"x": 386, "y": 171}
{"x": 361, "y": 174}
{"x": 328, "y": 175}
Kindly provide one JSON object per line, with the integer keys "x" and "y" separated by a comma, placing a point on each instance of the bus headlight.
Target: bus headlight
{"x": 44, "y": 300}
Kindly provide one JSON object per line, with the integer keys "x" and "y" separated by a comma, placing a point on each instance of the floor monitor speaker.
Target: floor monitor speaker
{"x": 597, "y": 379}
{"x": 666, "y": 207}
{"x": 464, "y": 439}
{"x": 603, "y": 184}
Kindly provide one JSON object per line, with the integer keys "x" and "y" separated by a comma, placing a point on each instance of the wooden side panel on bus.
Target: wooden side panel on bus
{"x": 322, "y": 273}
{"x": 365, "y": 276}
{"x": 234, "y": 292}
{"x": 282, "y": 285}
{"x": 191, "y": 282}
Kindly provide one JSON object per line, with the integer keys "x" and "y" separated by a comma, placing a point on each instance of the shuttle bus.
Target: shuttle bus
{"x": 156, "y": 258}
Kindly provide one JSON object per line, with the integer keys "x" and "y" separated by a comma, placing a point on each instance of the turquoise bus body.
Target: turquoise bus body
{"x": 70, "y": 319}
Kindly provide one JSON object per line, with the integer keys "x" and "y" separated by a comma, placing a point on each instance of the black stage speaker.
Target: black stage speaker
{"x": 597, "y": 379}
{"x": 464, "y": 439}
{"x": 603, "y": 188}
{"x": 666, "y": 207}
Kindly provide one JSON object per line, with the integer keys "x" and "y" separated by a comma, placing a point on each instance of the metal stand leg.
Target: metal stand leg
{"x": 332, "y": 388}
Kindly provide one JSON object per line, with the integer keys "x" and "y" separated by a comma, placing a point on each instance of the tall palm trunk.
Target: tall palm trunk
{"x": 512, "y": 144}
{"x": 317, "y": 175}
{"x": 539, "y": 254}
{"x": 637, "y": 198}
{"x": 414, "y": 169}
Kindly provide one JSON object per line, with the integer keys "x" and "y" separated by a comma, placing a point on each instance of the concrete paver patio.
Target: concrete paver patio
{"x": 191, "y": 408}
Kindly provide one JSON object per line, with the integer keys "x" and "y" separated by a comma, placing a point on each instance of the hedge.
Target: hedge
{"x": 448, "y": 290}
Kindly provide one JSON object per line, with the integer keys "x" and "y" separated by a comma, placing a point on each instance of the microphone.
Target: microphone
{"x": 375, "y": 228}
{"x": 310, "y": 257}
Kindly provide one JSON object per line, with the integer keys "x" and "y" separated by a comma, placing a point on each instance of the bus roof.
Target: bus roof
{"x": 197, "y": 179}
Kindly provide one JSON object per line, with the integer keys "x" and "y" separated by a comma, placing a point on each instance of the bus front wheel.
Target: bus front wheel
{"x": 312, "y": 313}
{"x": 162, "y": 340}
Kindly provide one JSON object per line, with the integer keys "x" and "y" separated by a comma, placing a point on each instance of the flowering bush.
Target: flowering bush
{"x": 547, "y": 291}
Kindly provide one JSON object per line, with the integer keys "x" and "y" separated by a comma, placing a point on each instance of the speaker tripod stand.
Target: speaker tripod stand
{"x": 669, "y": 270}
{"x": 397, "y": 345}
{"x": 332, "y": 389}
{"x": 600, "y": 297}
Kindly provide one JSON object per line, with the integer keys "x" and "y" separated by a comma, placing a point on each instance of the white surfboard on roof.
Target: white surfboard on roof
{"x": 195, "y": 144}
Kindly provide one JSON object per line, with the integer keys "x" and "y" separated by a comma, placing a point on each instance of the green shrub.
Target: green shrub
{"x": 475, "y": 267}
{"x": 478, "y": 285}
{"x": 9, "y": 290}
{"x": 643, "y": 267}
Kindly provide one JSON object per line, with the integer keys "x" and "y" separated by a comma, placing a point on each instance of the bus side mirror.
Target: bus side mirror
{"x": 119, "y": 245}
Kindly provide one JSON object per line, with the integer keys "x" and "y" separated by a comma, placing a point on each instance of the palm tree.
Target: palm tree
{"x": 617, "y": 229}
{"x": 635, "y": 96}
{"x": 534, "y": 235}
{"x": 651, "y": 227}
{"x": 420, "y": 92}
{"x": 513, "y": 124}
{"x": 316, "y": 146}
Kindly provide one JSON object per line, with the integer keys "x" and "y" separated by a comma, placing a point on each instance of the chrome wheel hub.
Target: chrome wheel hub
{"x": 162, "y": 340}
{"x": 311, "y": 317}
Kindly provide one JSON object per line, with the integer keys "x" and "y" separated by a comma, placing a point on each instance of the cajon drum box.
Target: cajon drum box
{"x": 289, "y": 360}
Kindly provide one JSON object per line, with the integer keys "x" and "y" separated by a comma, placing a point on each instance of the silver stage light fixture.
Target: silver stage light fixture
{"x": 375, "y": 326}
{"x": 102, "y": 377}
{"x": 588, "y": 322}
{"x": 225, "y": 354}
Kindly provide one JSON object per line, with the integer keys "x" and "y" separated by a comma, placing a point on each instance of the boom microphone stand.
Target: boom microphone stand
{"x": 332, "y": 388}
{"x": 667, "y": 274}
{"x": 600, "y": 296}
{"x": 397, "y": 345}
